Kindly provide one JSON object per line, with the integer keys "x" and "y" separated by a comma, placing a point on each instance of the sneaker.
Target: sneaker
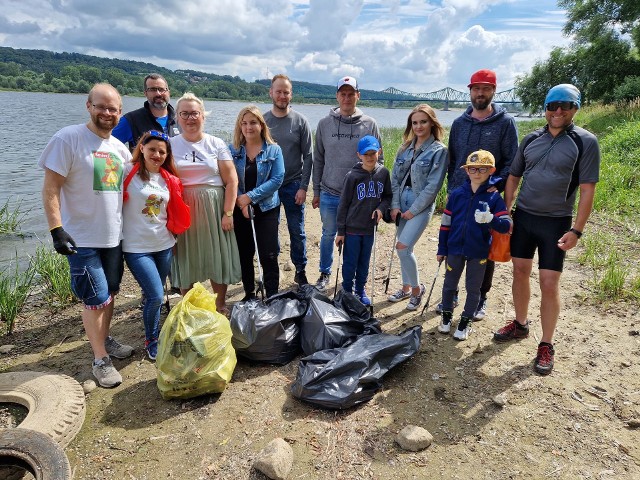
{"x": 455, "y": 304}
{"x": 544, "y": 359}
{"x": 323, "y": 281}
{"x": 416, "y": 300}
{"x": 249, "y": 296}
{"x": 464, "y": 328}
{"x": 116, "y": 349}
{"x": 301, "y": 278}
{"x": 445, "y": 322}
{"x": 511, "y": 331}
{"x": 106, "y": 373}
{"x": 151, "y": 346}
{"x": 481, "y": 312}
{"x": 399, "y": 296}
{"x": 362, "y": 296}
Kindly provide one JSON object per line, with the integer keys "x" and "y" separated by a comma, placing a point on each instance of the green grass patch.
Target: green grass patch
{"x": 15, "y": 286}
{"x": 53, "y": 273}
{"x": 11, "y": 217}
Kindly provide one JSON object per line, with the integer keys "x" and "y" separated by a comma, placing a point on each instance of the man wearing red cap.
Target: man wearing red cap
{"x": 483, "y": 126}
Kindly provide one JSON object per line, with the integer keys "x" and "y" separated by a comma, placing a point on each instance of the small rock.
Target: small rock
{"x": 634, "y": 423}
{"x": 88, "y": 386}
{"x": 6, "y": 348}
{"x": 275, "y": 460}
{"x": 500, "y": 400}
{"x": 626, "y": 363}
{"x": 414, "y": 438}
{"x": 288, "y": 266}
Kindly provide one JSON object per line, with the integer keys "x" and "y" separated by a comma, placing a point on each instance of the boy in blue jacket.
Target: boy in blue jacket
{"x": 465, "y": 238}
{"x": 366, "y": 193}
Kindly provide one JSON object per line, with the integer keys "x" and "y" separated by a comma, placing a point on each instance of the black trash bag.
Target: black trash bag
{"x": 340, "y": 378}
{"x": 268, "y": 331}
{"x": 330, "y": 324}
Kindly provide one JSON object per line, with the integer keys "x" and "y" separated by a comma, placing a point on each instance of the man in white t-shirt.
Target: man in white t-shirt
{"x": 82, "y": 196}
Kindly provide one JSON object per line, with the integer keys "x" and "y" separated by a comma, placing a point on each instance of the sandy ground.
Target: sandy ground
{"x": 573, "y": 424}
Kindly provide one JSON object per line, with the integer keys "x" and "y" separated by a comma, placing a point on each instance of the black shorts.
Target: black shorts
{"x": 531, "y": 232}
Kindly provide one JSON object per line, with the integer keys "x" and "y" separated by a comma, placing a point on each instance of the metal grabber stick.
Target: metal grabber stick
{"x": 426, "y": 304}
{"x": 393, "y": 249}
{"x": 373, "y": 269}
{"x": 335, "y": 289}
{"x": 255, "y": 242}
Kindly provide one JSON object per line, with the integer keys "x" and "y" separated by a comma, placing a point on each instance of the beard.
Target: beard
{"x": 282, "y": 106}
{"x": 481, "y": 103}
{"x": 160, "y": 105}
{"x": 104, "y": 125}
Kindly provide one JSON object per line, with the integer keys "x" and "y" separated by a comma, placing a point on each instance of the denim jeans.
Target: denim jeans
{"x": 150, "y": 271}
{"x": 409, "y": 232}
{"x": 356, "y": 255}
{"x": 295, "y": 224}
{"x": 96, "y": 274}
{"x": 329, "y": 216}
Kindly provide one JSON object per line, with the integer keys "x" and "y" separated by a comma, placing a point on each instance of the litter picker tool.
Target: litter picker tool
{"x": 255, "y": 242}
{"x": 373, "y": 267}
{"x": 426, "y": 304}
{"x": 335, "y": 290}
{"x": 393, "y": 248}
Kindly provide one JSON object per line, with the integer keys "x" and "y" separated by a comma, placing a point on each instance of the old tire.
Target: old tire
{"x": 34, "y": 452}
{"x": 55, "y": 402}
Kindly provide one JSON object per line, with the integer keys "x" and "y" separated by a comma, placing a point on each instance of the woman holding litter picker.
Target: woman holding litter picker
{"x": 260, "y": 168}
{"x": 208, "y": 250}
{"x": 417, "y": 177}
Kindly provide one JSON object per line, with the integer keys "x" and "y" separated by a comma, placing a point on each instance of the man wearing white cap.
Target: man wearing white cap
{"x": 336, "y": 145}
{"x": 558, "y": 161}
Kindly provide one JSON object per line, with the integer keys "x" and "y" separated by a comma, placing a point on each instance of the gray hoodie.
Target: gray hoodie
{"x": 336, "y": 145}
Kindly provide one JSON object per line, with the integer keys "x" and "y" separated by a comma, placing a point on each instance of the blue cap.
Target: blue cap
{"x": 565, "y": 92}
{"x": 368, "y": 143}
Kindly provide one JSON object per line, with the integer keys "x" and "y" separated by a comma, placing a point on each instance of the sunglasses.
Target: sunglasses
{"x": 477, "y": 169}
{"x": 564, "y": 106}
{"x": 157, "y": 135}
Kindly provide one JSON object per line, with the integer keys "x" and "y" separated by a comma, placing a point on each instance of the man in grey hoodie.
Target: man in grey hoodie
{"x": 334, "y": 154}
{"x": 483, "y": 126}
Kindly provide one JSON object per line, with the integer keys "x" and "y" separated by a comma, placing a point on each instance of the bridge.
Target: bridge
{"x": 445, "y": 95}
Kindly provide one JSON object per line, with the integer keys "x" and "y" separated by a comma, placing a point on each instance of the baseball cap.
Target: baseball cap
{"x": 565, "y": 92}
{"x": 483, "y": 76}
{"x": 368, "y": 143}
{"x": 480, "y": 158}
{"x": 348, "y": 81}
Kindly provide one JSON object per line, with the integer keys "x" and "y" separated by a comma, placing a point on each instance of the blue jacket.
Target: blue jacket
{"x": 270, "y": 165}
{"x": 460, "y": 234}
{"x": 427, "y": 173}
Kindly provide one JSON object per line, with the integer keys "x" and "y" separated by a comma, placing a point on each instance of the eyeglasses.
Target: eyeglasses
{"x": 187, "y": 115}
{"x": 478, "y": 169}
{"x": 158, "y": 135}
{"x": 156, "y": 89}
{"x": 107, "y": 110}
{"x": 564, "y": 106}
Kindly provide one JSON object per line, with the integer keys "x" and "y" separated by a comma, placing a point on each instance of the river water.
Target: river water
{"x": 30, "y": 119}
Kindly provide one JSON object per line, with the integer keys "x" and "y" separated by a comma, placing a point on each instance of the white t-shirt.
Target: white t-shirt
{"x": 91, "y": 196}
{"x": 197, "y": 162}
{"x": 145, "y": 215}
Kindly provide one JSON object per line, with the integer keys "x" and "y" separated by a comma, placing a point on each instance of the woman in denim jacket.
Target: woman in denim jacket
{"x": 417, "y": 177}
{"x": 260, "y": 168}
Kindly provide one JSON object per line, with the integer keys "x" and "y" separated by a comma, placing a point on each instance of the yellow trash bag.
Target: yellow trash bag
{"x": 195, "y": 355}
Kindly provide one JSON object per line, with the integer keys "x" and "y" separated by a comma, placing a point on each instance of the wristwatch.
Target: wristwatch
{"x": 577, "y": 233}
{"x": 229, "y": 213}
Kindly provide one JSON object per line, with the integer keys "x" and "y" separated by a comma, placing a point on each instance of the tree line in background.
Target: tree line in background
{"x": 603, "y": 60}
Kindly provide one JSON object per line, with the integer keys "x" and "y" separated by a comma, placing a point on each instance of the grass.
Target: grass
{"x": 53, "y": 272}
{"x": 15, "y": 286}
{"x": 10, "y": 218}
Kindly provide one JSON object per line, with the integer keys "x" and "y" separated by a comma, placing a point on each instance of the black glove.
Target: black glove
{"x": 62, "y": 241}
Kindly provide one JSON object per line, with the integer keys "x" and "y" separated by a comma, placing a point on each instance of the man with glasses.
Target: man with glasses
{"x": 556, "y": 162}
{"x": 82, "y": 197}
{"x": 336, "y": 146}
{"x": 156, "y": 114}
{"x": 483, "y": 126}
{"x": 291, "y": 131}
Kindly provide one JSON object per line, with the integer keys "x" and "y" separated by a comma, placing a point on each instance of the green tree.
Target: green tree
{"x": 590, "y": 19}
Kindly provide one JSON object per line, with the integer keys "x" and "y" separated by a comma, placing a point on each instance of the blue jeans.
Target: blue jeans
{"x": 356, "y": 255}
{"x": 329, "y": 216}
{"x": 96, "y": 274}
{"x": 150, "y": 271}
{"x": 409, "y": 232}
{"x": 295, "y": 224}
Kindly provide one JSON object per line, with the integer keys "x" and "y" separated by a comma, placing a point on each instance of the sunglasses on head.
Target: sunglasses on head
{"x": 157, "y": 135}
{"x": 564, "y": 106}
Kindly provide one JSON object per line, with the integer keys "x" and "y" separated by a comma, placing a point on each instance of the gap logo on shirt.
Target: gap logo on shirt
{"x": 368, "y": 189}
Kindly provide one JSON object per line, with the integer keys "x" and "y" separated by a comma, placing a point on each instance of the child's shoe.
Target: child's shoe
{"x": 445, "y": 322}
{"x": 464, "y": 327}
{"x": 151, "y": 346}
{"x": 362, "y": 296}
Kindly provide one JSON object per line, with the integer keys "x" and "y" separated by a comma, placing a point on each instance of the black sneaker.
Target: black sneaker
{"x": 323, "y": 281}
{"x": 249, "y": 296}
{"x": 301, "y": 278}
{"x": 543, "y": 363}
{"x": 512, "y": 331}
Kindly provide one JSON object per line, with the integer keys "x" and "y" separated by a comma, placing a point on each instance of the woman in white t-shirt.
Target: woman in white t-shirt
{"x": 147, "y": 243}
{"x": 208, "y": 250}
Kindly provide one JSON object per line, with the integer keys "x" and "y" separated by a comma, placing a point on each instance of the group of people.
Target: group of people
{"x": 107, "y": 204}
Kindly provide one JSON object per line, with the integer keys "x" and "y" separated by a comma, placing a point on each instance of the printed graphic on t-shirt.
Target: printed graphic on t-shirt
{"x": 368, "y": 189}
{"x": 107, "y": 172}
{"x": 152, "y": 207}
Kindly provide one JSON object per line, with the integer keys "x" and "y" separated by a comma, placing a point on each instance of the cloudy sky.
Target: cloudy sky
{"x": 413, "y": 45}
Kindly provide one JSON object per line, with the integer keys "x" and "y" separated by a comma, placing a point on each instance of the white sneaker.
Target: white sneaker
{"x": 481, "y": 312}
{"x": 445, "y": 322}
{"x": 463, "y": 330}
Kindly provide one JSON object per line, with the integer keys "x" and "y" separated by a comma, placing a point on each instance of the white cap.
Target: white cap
{"x": 348, "y": 81}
